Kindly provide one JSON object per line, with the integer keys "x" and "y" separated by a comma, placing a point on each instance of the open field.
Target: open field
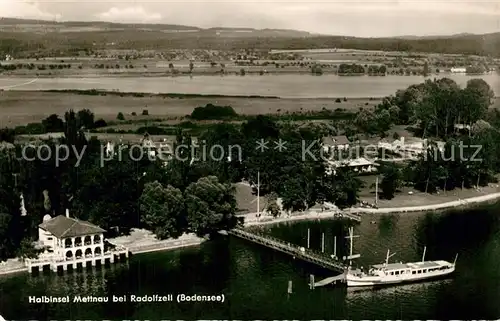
{"x": 21, "y": 107}
{"x": 404, "y": 199}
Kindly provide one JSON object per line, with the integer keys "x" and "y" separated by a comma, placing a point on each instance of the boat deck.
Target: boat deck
{"x": 412, "y": 265}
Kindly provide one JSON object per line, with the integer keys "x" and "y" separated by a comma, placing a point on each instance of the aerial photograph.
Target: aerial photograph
{"x": 249, "y": 160}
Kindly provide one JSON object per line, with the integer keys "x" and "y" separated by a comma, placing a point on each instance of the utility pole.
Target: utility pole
{"x": 323, "y": 242}
{"x": 311, "y": 281}
{"x": 335, "y": 246}
{"x": 15, "y": 178}
{"x": 258, "y": 196}
{"x": 376, "y": 191}
{"x": 308, "y": 237}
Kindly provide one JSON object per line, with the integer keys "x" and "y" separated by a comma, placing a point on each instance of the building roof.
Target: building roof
{"x": 62, "y": 226}
{"x": 335, "y": 140}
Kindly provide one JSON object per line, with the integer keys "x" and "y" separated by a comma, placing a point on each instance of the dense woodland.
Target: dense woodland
{"x": 192, "y": 195}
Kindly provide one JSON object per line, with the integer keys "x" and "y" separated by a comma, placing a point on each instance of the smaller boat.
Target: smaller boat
{"x": 393, "y": 273}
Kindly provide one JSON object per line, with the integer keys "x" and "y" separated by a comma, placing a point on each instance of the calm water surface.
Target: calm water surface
{"x": 286, "y": 86}
{"x": 254, "y": 279}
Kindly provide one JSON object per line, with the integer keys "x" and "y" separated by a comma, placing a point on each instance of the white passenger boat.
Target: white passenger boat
{"x": 393, "y": 273}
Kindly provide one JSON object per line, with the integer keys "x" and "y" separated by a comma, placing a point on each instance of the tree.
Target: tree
{"x": 272, "y": 205}
{"x": 53, "y": 124}
{"x": 120, "y": 116}
{"x": 27, "y": 250}
{"x": 210, "y": 206}
{"x": 224, "y": 144}
{"x": 293, "y": 194}
{"x": 383, "y": 121}
{"x": 191, "y": 66}
{"x": 162, "y": 210}
{"x": 364, "y": 120}
{"x": 5, "y": 237}
{"x": 426, "y": 70}
{"x": 391, "y": 179}
{"x": 179, "y": 169}
{"x": 482, "y": 91}
{"x": 46, "y": 202}
{"x": 316, "y": 70}
{"x": 107, "y": 196}
{"x": 7, "y": 135}
{"x": 341, "y": 188}
{"x": 85, "y": 119}
{"x": 427, "y": 171}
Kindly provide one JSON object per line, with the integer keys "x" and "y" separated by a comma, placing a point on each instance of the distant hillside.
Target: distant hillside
{"x": 465, "y": 34}
{"x": 25, "y": 37}
{"x": 44, "y": 27}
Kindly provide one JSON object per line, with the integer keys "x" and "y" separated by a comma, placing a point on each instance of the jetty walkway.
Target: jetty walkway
{"x": 308, "y": 255}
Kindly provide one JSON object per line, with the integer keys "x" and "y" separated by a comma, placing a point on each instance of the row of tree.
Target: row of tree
{"x": 441, "y": 110}
{"x": 463, "y": 162}
{"x": 437, "y": 106}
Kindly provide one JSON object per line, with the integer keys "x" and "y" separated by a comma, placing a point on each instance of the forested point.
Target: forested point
{"x": 186, "y": 194}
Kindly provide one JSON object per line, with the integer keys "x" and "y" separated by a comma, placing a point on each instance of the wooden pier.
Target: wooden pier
{"x": 296, "y": 251}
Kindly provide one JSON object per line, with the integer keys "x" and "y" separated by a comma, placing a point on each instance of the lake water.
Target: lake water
{"x": 286, "y": 86}
{"x": 254, "y": 279}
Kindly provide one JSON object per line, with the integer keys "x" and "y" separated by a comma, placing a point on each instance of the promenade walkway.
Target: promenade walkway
{"x": 432, "y": 207}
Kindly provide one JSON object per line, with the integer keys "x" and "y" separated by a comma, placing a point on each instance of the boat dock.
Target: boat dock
{"x": 330, "y": 280}
{"x": 308, "y": 255}
{"x": 56, "y": 264}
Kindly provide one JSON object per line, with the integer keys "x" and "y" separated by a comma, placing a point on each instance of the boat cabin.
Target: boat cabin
{"x": 396, "y": 269}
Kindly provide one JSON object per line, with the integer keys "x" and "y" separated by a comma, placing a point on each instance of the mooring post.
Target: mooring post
{"x": 289, "y": 288}
{"x": 311, "y": 280}
{"x": 335, "y": 246}
{"x": 308, "y": 237}
{"x": 323, "y": 242}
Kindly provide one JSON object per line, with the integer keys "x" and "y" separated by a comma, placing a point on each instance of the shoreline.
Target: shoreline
{"x": 191, "y": 240}
{"x": 460, "y": 203}
{"x": 260, "y": 71}
{"x": 235, "y": 71}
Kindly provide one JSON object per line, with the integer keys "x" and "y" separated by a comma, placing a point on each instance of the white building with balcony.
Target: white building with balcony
{"x": 71, "y": 242}
{"x": 68, "y": 237}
